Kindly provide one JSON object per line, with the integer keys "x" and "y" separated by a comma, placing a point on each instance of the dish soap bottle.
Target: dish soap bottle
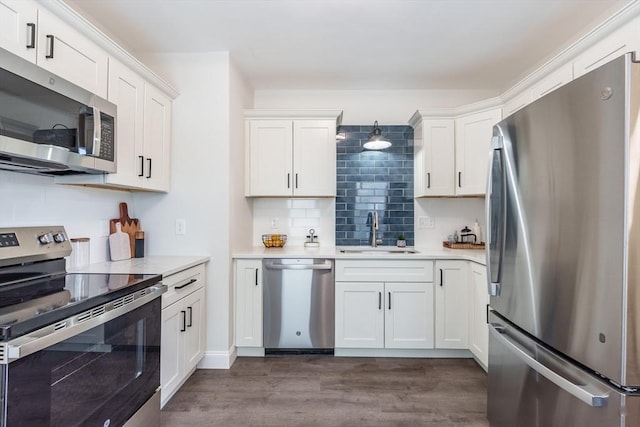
{"x": 477, "y": 231}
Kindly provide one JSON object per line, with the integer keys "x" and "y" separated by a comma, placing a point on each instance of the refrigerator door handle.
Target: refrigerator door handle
{"x": 591, "y": 394}
{"x": 495, "y": 206}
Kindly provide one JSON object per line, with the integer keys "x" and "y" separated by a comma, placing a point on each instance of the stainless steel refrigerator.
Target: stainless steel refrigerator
{"x": 563, "y": 258}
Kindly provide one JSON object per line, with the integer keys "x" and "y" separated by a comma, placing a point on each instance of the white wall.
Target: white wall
{"x": 35, "y": 200}
{"x": 201, "y": 176}
{"x": 449, "y": 215}
{"x": 388, "y": 107}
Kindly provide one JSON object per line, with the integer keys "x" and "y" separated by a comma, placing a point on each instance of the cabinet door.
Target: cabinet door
{"x": 451, "y": 304}
{"x": 194, "y": 336}
{"x": 439, "y": 155}
{"x": 359, "y": 315}
{"x": 171, "y": 352}
{"x": 67, "y": 53}
{"x": 623, "y": 40}
{"x": 157, "y": 140}
{"x": 18, "y": 28}
{"x": 270, "y": 158}
{"x": 473, "y": 142}
{"x": 408, "y": 315}
{"x": 126, "y": 90}
{"x": 314, "y": 158}
{"x": 248, "y": 303}
{"x": 478, "y": 328}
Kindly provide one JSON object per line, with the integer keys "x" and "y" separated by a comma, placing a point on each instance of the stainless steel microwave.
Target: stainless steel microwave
{"x": 51, "y": 126}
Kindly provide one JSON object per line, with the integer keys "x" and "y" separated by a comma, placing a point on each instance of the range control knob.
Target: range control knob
{"x": 59, "y": 237}
{"x": 45, "y": 239}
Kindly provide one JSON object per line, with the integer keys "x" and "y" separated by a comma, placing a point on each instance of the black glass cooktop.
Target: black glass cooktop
{"x": 33, "y": 301}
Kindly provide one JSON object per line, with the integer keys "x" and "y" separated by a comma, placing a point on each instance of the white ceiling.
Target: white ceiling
{"x": 358, "y": 44}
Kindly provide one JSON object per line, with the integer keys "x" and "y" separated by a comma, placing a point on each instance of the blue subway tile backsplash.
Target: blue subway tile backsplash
{"x": 374, "y": 180}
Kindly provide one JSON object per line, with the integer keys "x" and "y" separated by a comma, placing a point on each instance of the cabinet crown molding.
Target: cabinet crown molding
{"x": 294, "y": 114}
{"x": 456, "y": 112}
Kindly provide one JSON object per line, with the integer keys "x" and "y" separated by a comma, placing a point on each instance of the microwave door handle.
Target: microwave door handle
{"x": 97, "y": 132}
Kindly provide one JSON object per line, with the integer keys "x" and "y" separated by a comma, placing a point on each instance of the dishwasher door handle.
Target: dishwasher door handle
{"x": 327, "y": 265}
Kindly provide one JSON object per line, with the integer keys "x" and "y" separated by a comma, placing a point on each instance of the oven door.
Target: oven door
{"x": 99, "y": 377}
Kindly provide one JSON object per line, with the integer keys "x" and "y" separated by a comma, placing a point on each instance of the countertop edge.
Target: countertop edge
{"x": 477, "y": 256}
{"x": 164, "y": 265}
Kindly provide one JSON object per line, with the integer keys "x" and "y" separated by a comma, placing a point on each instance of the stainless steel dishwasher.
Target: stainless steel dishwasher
{"x": 298, "y": 305}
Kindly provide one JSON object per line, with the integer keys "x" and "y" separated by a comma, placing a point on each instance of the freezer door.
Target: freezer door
{"x": 529, "y": 386}
{"x": 562, "y": 266}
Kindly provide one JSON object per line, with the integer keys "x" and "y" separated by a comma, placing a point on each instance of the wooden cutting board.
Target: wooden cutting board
{"x": 129, "y": 226}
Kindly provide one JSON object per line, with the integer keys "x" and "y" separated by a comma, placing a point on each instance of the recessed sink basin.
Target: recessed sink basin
{"x": 374, "y": 251}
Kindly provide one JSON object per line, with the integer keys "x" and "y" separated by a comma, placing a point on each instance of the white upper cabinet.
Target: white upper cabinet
{"x": 18, "y": 21}
{"x": 624, "y": 39}
{"x": 143, "y": 135}
{"x": 37, "y": 35}
{"x": 155, "y": 160}
{"x": 451, "y": 153}
{"x": 65, "y": 52}
{"x": 291, "y": 156}
{"x": 434, "y": 154}
{"x": 473, "y": 143}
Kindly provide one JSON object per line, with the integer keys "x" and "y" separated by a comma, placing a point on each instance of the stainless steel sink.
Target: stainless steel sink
{"x": 373, "y": 251}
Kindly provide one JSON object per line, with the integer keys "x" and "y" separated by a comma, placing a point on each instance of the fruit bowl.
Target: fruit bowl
{"x": 274, "y": 240}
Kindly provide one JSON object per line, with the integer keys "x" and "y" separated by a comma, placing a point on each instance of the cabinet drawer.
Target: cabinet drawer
{"x": 384, "y": 270}
{"x": 182, "y": 284}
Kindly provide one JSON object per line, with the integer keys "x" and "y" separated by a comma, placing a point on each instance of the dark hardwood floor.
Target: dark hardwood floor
{"x": 333, "y": 391}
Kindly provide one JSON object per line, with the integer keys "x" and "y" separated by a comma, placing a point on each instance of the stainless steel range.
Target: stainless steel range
{"x": 75, "y": 349}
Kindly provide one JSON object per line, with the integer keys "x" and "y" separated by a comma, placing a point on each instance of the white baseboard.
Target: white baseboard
{"x": 218, "y": 359}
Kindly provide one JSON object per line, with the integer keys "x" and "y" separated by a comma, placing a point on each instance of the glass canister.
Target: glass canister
{"x": 79, "y": 253}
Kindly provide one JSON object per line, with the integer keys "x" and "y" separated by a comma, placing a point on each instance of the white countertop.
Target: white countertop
{"x": 165, "y": 265}
{"x": 257, "y": 252}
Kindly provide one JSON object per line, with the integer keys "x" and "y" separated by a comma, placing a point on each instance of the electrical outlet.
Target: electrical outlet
{"x": 426, "y": 222}
{"x": 275, "y": 222}
{"x": 181, "y": 227}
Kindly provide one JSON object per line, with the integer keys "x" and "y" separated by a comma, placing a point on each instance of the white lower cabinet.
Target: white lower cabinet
{"x": 384, "y": 315}
{"x": 183, "y": 329}
{"x": 248, "y": 302}
{"x": 452, "y": 304}
{"x": 478, "y": 302}
{"x": 381, "y": 311}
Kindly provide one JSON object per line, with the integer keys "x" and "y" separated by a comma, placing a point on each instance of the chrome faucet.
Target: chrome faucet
{"x": 374, "y": 228}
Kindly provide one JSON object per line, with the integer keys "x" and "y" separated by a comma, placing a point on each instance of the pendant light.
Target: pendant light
{"x": 376, "y": 141}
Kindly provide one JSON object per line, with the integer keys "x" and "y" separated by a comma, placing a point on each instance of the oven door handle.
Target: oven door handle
{"x": 77, "y": 324}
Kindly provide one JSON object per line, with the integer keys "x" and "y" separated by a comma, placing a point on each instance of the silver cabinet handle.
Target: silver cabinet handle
{"x": 51, "y": 39}
{"x": 32, "y": 35}
{"x": 590, "y": 394}
{"x": 327, "y": 265}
